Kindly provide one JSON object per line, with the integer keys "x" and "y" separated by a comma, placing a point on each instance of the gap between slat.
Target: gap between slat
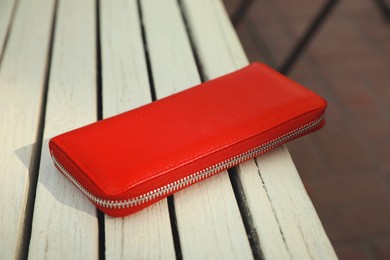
{"x": 273, "y": 210}
{"x": 147, "y": 58}
{"x": 99, "y": 98}
{"x": 235, "y": 182}
{"x": 246, "y": 215}
{"x": 171, "y": 206}
{"x": 37, "y": 147}
{"x": 175, "y": 231}
{"x": 99, "y": 115}
{"x": 261, "y": 44}
{"x": 192, "y": 43}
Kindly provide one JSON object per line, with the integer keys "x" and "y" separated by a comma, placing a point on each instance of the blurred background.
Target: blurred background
{"x": 345, "y": 167}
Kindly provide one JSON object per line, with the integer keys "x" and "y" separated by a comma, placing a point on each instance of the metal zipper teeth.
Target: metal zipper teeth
{"x": 195, "y": 177}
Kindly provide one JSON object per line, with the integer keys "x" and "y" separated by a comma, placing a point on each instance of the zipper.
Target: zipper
{"x": 195, "y": 177}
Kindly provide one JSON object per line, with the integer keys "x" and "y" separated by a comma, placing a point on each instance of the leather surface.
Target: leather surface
{"x": 146, "y": 148}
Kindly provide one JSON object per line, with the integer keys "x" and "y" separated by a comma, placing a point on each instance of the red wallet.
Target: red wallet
{"x": 130, "y": 161}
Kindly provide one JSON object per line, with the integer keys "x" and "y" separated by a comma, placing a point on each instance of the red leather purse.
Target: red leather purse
{"x": 129, "y": 161}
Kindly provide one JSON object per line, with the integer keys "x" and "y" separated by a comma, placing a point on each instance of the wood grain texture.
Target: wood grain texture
{"x": 302, "y": 230}
{"x": 209, "y": 222}
{"x": 284, "y": 217}
{"x": 124, "y": 70}
{"x": 267, "y": 226}
{"x": 172, "y": 61}
{"x": 6, "y": 7}
{"x": 65, "y": 225}
{"x": 216, "y": 42}
{"x": 146, "y": 234}
{"x": 22, "y": 76}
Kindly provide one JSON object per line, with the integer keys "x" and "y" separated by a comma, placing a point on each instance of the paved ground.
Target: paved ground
{"x": 345, "y": 167}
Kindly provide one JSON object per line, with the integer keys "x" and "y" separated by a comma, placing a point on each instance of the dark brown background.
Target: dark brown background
{"x": 345, "y": 167}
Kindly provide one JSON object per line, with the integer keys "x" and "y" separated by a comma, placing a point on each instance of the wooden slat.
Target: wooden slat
{"x": 216, "y": 43}
{"x": 284, "y": 217}
{"x": 172, "y": 61}
{"x": 146, "y": 234}
{"x": 22, "y": 76}
{"x": 268, "y": 231}
{"x": 124, "y": 70}
{"x": 208, "y": 219}
{"x": 301, "y": 227}
{"x": 65, "y": 225}
{"x": 6, "y": 7}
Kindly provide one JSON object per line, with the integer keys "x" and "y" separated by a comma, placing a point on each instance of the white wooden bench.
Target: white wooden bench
{"x": 64, "y": 64}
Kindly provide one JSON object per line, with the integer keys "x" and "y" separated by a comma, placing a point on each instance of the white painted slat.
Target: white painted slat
{"x": 146, "y": 234}
{"x": 216, "y": 42}
{"x": 301, "y": 227}
{"x": 65, "y": 225}
{"x": 268, "y": 231}
{"x": 208, "y": 219}
{"x": 284, "y": 217}
{"x": 6, "y": 7}
{"x": 22, "y": 76}
{"x": 173, "y": 64}
{"x": 124, "y": 71}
